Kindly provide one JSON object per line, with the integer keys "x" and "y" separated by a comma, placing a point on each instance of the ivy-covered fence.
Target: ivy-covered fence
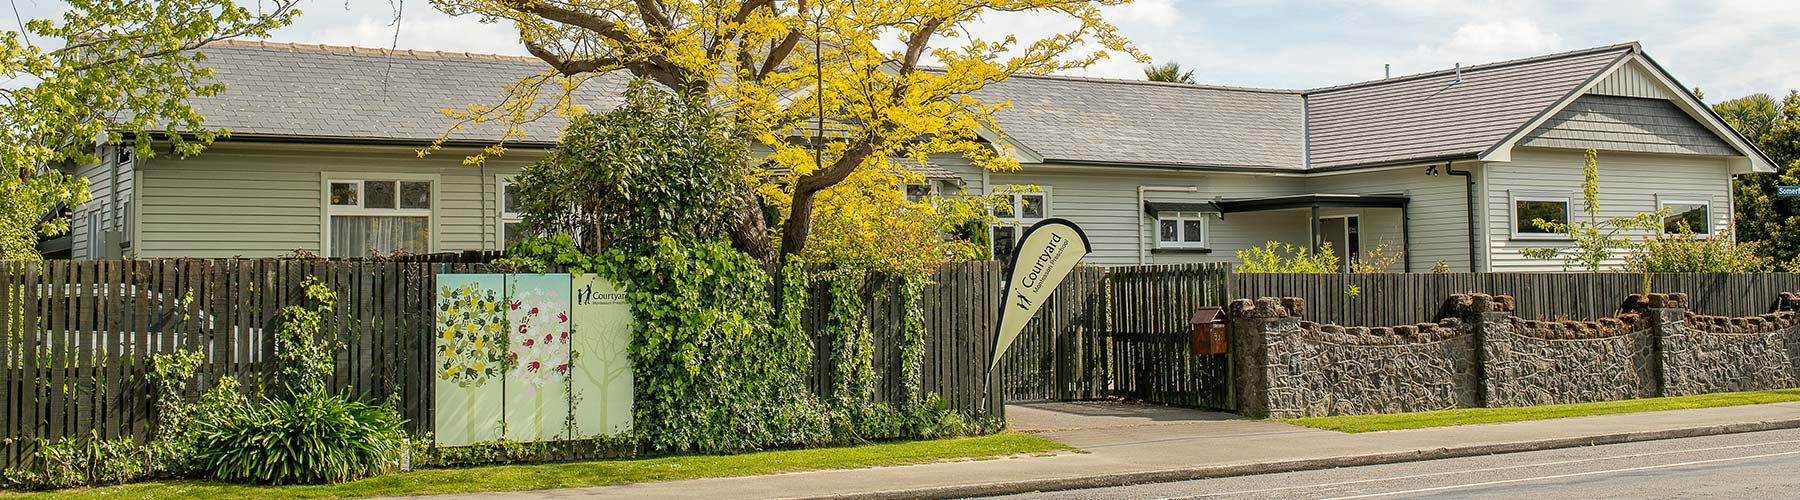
{"x": 78, "y": 336}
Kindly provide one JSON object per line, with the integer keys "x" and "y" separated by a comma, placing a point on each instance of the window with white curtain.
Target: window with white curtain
{"x": 379, "y": 216}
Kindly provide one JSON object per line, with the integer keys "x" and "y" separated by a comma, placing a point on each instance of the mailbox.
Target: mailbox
{"x": 1209, "y": 331}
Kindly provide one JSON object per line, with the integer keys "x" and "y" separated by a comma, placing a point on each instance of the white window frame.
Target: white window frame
{"x": 326, "y": 209}
{"x": 1512, "y": 210}
{"x": 1017, "y": 222}
{"x": 928, "y": 184}
{"x": 1181, "y": 219}
{"x": 503, "y": 217}
{"x": 1663, "y": 201}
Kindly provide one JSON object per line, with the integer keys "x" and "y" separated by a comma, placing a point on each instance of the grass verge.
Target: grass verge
{"x": 578, "y": 474}
{"x": 1371, "y": 423}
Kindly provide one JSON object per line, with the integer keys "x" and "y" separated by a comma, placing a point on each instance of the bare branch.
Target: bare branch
{"x": 590, "y": 22}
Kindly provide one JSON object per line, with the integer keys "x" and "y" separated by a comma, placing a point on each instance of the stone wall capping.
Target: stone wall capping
{"x": 1296, "y": 306}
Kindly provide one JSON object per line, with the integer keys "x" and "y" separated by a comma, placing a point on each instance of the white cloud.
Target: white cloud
{"x": 1494, "y": 40}
{"x": 1145, "y": 12}
{"x": 431, "y": 31}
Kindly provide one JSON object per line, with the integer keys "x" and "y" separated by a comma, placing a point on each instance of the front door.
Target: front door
{"x": 1341, "y": 233}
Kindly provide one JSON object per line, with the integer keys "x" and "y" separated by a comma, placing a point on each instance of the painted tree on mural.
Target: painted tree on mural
{"x": 105, "y": 70}
{"x": 835, "y": 90}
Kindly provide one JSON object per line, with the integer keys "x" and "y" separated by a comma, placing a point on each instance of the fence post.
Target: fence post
{"x": 1255, "y": 327}
{"x": 1667, "y": 317}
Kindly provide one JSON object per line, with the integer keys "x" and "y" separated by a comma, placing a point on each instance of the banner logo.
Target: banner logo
{"x": 1046, "y": 253}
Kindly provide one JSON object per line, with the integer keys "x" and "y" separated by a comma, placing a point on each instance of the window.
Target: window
{"x": 379, "y": 216}
{"x": 511, "y": 218}
{"x": 1022, "y": 210}
{"x": 1180, "y": 230}
{"x": 919, "y": 192}
{"x": 1527, "y": 208}
{"x": 1693, "y": 213}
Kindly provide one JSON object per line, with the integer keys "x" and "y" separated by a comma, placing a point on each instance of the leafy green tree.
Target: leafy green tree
{"x": 1763, "y": 217}
{"x": 105, "y": 71}
{"x": 658, "y": 166}
{"x": 1168, "y": 72}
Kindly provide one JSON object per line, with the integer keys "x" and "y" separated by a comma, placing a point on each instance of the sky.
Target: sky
{"x": 1727, "y": 48}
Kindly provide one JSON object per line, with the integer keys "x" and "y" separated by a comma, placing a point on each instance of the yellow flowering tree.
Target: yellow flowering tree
{"x": 836, "y": 92}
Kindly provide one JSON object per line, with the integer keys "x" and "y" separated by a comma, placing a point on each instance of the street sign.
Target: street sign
{"x": 1787, "y": 190}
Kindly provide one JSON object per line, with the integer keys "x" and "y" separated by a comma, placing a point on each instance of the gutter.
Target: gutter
{"x": 1142, "y": 251}
{"x": 1469, "y": 181}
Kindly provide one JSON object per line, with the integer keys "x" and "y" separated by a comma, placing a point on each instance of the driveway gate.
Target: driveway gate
{"x": 1122, "y": 332}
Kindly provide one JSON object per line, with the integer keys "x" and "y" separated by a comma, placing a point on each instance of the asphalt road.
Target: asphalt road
{"x": 1753, "y": 465}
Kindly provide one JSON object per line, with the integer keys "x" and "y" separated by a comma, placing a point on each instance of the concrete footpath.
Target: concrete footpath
{"x": 1130, "y": 444}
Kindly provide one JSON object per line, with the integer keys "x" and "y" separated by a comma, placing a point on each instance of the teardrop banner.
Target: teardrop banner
{"x": 1046, "y": 253}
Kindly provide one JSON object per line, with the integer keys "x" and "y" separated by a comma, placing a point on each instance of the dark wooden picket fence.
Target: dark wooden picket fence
{"x": 961, "y": 307}
{"x": 1396, "y": 299}
{"x": 78, "y": 336}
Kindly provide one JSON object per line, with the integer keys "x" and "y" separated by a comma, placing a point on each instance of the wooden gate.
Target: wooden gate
{"x": 1121, "y": 332}
{"x": 1151, "y": 335}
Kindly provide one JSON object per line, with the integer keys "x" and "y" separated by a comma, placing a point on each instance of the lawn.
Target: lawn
{"x": 1371, "y": 423}
{"x": 577, "y": 474}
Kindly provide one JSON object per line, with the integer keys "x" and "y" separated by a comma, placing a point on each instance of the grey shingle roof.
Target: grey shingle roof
{"x": 1147, "y": 123}
{"x": 1432, "y": 115}
{"x": 277, "y": 89}
{"x": 281, "y": 89}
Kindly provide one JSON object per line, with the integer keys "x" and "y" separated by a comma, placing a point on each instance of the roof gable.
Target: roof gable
{"x": 1631, "y": 80}
{"x": 1629, "y": 124}
{"x": 1638, "y": 76}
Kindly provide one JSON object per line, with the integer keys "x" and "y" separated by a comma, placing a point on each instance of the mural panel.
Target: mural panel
{"x": 472, "y": 357}
{"x": 531, "y": 357}
{"x": 602, "y": 382}
{"x": 537, "y": 383}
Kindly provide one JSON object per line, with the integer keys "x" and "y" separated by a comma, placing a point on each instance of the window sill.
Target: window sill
{"x": 1521, "y": 237}
{"x": 1181, "y": 250}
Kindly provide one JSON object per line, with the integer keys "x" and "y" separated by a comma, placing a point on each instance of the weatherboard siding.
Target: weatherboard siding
{"x": 1632, "y": 80}
{"x": 1104, "y": 203}
{"x": 251, "y": 202}
{"x": 1629, "y": 184}
{"x": 1439, "y": 229}
{"x": 111, "y": 210}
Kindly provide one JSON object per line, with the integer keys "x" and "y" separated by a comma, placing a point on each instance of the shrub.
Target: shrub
{"x": 71, "y": 461}
{"x": 1683, "y": 252}
{"x": 314, "y": 438}
{"x": 1278, "y": 257}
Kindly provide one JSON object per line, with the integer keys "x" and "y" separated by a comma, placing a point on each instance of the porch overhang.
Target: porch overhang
{"x": 1316, "y": 201}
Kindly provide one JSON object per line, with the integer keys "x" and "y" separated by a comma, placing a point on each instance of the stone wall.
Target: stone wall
{"x": 1702, "y": 355}
{"x": 1306, "y": 369}
{"x": 1527, "y": 363}
{"x": 1483, "y": 355}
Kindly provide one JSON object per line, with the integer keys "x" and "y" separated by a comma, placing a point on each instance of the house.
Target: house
{"x": 1448, "y": 166}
